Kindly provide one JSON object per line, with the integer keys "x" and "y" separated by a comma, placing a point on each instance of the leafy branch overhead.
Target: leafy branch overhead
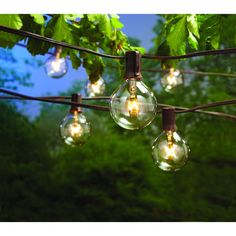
{"x": 182, "y": 33}
{"x": 98, "y": 32}
{"x": 177, "y": 35}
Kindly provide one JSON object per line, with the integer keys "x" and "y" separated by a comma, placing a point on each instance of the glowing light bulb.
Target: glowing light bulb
{"x": 75, "y": 129}
{"x": 169, "y": 151}
{"x": 133, "y": 105}
{"x": 133, "y": 110}
{"x": 172, "y": 80}
{"x": 96, "y": 88}
{"x": 56, "y": 67}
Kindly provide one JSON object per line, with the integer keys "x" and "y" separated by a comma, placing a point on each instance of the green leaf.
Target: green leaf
{"x": 193, "y": 43}
{"x": 105, "y": 25}
{"x": 140, "y": 49}
{"x": 176, "y": 39}
{"x": 94, "y": 67}
{"x": 73, "y": 16}
{"x": 215, "y": 41}
{"x": 39, "y": 19}
{"x": 116, "y": 23}
{"x": 192, "y": 25}
{"x": 13, "y": 21}
{"x": 75, "y": 60}
{"x": 210, "y": 32}
{"x": 93, "y": 17}
{"x": 34, "y": 46}
{"x": 114, "y": 16}
{"x": 61, "y": 30}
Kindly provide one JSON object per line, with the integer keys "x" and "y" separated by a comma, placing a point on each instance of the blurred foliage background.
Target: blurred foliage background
{"x": 113, "y": 177}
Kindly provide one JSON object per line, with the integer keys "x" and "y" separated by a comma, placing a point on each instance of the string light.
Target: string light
{"x": 133, "y": 105}
{"x": 172, "y": 80}
{"x": 75, "y": 129}
{"x": 56, "y": 66}
{"x": 96, "y": 88}
{"x": 169, "y": 151}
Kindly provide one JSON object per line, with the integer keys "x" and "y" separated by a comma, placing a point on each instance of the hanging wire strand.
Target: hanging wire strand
{"x": 55, "y": 42}
{"x": 201, "y": 73}
{"x": 212, "y": 113}
{"x": 61, "y": 100}
{"x": 213, "y": 104}
{"x": 194, "y": 72}
{"x": 54, "y": 98}
{"x": 95, "y": 107}
{"x": 146, "y": 56}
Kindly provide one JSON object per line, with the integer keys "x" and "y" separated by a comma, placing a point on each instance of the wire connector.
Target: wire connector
{"x": 76, "y": 97}
{"x": 168, "y": 119}
{"x": 133, "y": 65}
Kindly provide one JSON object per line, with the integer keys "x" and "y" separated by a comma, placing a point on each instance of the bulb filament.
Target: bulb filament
{"x": 75, "y": 128}
{"x": 56, "y": 65}
{"x": 170, "y": 148}
{"x": 132, "y": 101}
{"x": 133, "y": 106}
{"x": 95, "y": 87}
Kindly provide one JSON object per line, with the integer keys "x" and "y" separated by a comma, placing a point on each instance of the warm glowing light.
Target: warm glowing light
{"x": 172, "y": 80}
{"x": 96, "y": 88}
{"x": 133, "y": 106}
{"x": 75, "y": 129}
{"x": 170, "y": 152}
{"x": 56, "y": 65}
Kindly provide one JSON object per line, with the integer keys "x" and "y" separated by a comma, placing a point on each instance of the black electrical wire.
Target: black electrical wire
{"x": 194, "y": 72}
{"x": 55, "y": 42}
{"x": 54, "y": 98}
{"x": 95, "y": 107}
{"x": 201, "y": 73}
{"x": 213, "y": 104}
{"x": 61, "y": 100}
{"x": 146, "y": 56}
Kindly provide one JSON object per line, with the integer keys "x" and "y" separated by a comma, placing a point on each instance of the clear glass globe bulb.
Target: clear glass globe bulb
{"x": 169, "y": 151}
{"x": 133, "y": 105}
{"x": 56, "y": 67}
{"x": 75, "y": 129}
{"x": 172, "y": 80}
{"x": 96, "y": 88}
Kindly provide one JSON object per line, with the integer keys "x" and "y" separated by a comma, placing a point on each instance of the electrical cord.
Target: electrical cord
{"x": 61, "y": 100}
{"x": 41, "y": 99}
{"x": 201, "y": 73}
{"x": 146, "y": 56}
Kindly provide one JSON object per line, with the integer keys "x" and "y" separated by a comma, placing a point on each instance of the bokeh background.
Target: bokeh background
{"x": 113, "y": 177}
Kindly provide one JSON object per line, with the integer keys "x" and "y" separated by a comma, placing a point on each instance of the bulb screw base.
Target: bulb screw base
{"x": 168, "y": 119}
{"x": 58, "y": 51}
{"x": 76, "y": 97}
{"x": 133, "y": 65}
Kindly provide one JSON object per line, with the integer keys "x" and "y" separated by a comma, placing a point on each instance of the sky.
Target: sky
{"x": 138, "y": 26}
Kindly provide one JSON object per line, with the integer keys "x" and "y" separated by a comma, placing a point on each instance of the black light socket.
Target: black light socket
{"x": 133, "y": 65}
{"x": 168, "y": 119}
{"x": 75, "y": 97}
